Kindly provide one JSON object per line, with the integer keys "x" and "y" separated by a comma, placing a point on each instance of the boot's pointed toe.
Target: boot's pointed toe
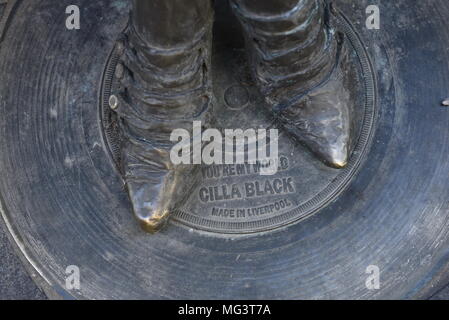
{"x": 322, "y": 122}
{"x": 149, "y": 207}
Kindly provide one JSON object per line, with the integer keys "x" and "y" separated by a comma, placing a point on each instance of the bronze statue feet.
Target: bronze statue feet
{"x": 300, "y": 65}
{"x": 299, "y": 62}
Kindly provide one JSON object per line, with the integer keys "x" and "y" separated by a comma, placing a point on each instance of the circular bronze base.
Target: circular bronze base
{"x": 63, "y": 200}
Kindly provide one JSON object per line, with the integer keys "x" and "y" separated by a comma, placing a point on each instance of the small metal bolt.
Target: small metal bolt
{"x": 333, "y": 8}
{"x": 113, "y": 102}
{"x": 445, "y": 102}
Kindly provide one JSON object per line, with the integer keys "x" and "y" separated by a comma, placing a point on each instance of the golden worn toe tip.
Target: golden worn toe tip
{"x": 155, "y": 223}
{"x": 339, "y": 164}
{"x": 338, "y": 160}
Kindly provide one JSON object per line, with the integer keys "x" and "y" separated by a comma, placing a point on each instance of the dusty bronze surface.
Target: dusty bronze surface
{"x": 300, "y": 64}
{"x": 63, "y": 202}
{"x": 224, "y": 201}
{"x": 165, "y": 85}
{"x": 298, "y": 61}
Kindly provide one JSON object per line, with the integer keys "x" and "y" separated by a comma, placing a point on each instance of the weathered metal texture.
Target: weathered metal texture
{"x": 64, "y": 203}
{"x": 299, "y": 60}
{"x": 237, "y": 198}
{"x": 165, "y": 84}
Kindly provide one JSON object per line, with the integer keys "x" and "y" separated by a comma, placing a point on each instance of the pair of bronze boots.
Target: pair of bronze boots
{"x": 298, "y": 61}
